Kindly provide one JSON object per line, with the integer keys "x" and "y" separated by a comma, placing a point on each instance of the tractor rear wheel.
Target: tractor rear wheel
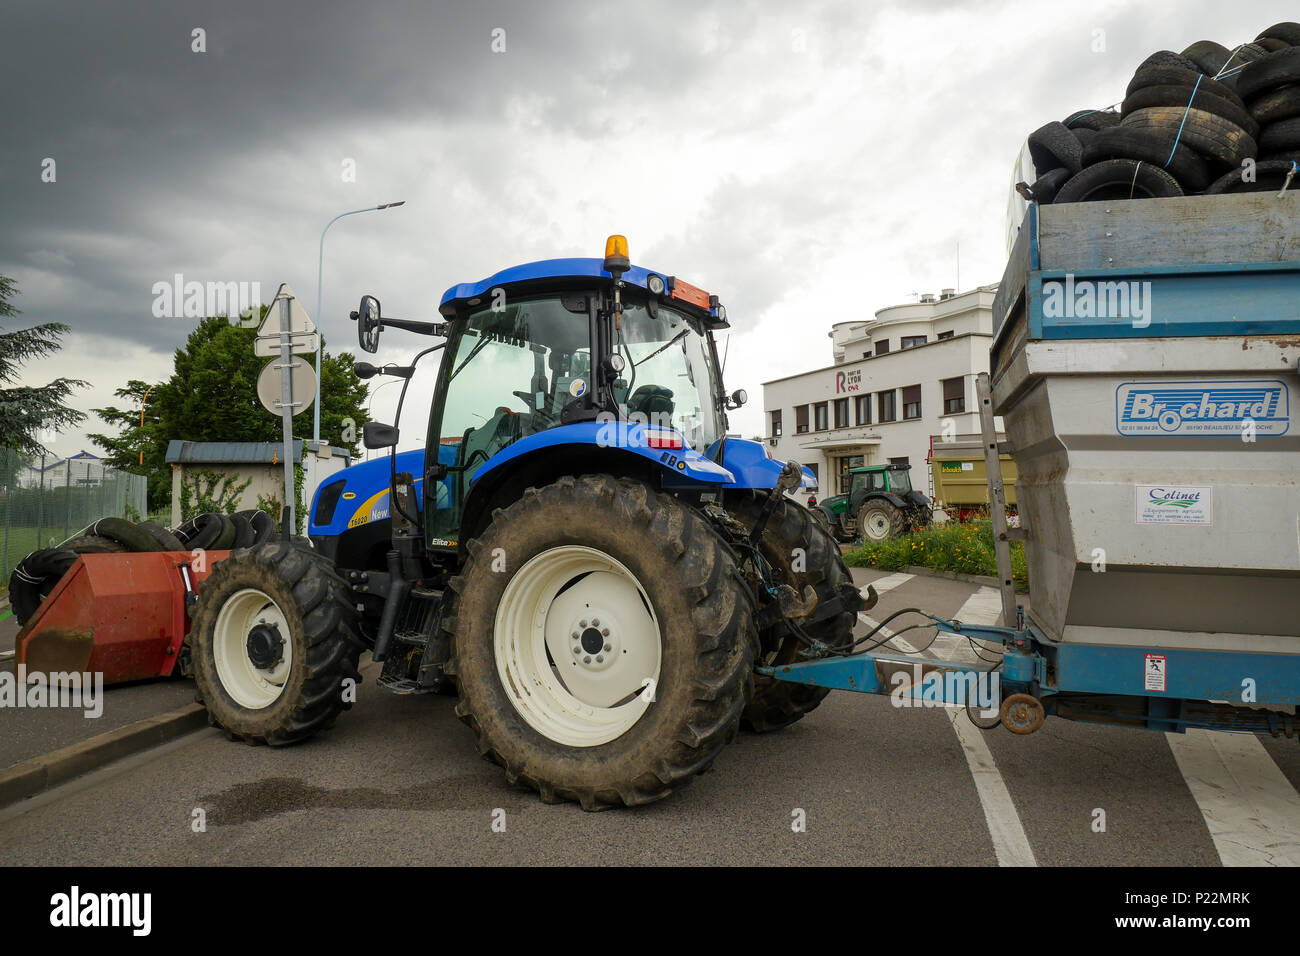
{"x": 603, "y": 643}
{"x": 803, "y": 553}
{"x": 273, "y": 641}
{"x": 878, "y": 520}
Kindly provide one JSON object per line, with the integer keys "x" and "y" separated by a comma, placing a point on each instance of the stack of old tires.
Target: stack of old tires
{"x": 37, "y": 574}
{"x": 1205, "y": 121}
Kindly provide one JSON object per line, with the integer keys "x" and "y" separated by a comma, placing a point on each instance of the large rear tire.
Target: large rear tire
{"x": 652, "y": 686}
{"x": 274, "y": 639}
{"x": 791, "y": 539}
{"x": 878, "y": 520}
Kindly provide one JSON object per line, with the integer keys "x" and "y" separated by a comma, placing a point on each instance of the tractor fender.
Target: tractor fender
{"x": 753, "y": 468}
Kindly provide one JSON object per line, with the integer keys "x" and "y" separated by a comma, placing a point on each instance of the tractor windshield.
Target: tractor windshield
{"x": 900, "y": 482}
{"x": 668, "y": 376}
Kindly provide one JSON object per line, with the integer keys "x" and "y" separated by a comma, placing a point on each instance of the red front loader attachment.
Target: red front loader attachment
{"x": 122, "y": 615}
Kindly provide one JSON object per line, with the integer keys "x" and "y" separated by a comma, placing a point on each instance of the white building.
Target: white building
{"x": 895, "y": 380}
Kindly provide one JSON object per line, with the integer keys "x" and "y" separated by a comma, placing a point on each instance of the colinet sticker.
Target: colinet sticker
{"x": 1173, "y": 504}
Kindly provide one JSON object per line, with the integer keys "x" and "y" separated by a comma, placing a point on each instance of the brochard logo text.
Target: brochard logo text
{"x": 1129, "y": 302}
{"x": 1202, "y": 408}
{"x": 75, "y": 909}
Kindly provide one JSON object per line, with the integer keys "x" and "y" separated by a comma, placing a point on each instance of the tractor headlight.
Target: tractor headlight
{"x": 655, "y": 284}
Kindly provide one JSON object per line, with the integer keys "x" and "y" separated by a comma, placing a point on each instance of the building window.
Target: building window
{"x": 881, "y": 347}
{"x": 776, "y": 424}
{"x": 862, "y": 408}
{"x": 866, "y": 355}
{"x": 954, "y": 395}
{"x": 912, "y": 341}
{"x": 841, "y": 413}
{"x": 885, "y": 409}
{"x": 819, "y": 417}
{"x": 900, "y": 461}
{"x": 945, "y": 335}
{"x": 800, "y": 419}
{"x": 816, "y": 477}
{"x": 911, "y": 402}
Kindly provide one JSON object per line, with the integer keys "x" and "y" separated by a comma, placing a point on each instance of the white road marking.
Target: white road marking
{"x": 982, "y": 607}
{"x": 1010, "y": 844}
{"x": 1250, "y": 808}
{"x": 1005, "y": 830}
{"x": 888, "y": 582}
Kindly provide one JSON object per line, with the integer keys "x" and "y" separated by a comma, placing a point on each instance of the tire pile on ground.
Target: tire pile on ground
{"x": 37, "y": 574}
{"x": 1206, "y": 121}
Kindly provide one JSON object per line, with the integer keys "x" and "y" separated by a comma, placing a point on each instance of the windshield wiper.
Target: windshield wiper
{"x": 677, "y": 338}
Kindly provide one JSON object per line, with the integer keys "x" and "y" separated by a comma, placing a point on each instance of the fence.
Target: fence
{"x": 44, "y": 500}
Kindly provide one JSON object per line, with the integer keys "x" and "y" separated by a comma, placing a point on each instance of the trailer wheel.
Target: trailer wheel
{"x": 274, "y": 639}
{"x": 602, "y": 642}
{"x": 791, "y": 540}
{"x": 878, "y": 520}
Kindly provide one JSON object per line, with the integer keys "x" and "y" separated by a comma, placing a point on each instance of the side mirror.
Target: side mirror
{"x": 378, "y": 435}
{"x": 369, "y": 324}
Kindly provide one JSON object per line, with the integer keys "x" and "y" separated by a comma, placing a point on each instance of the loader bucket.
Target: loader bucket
{"x": 122, "y": 615}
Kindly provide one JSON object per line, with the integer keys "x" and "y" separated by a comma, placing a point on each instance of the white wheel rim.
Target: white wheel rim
{"x": 249, "y": 685}
{"x": 877, "y": 525}
{"x": 587, "y": 697}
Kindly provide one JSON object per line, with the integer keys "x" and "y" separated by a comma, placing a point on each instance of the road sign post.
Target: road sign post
{"x": 288, "y": 326}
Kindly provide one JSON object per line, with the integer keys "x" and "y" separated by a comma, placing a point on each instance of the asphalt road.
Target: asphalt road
{"x": 398, "y": 780}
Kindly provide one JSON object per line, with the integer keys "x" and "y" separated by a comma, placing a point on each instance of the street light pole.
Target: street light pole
{"x": 320, "y": 263}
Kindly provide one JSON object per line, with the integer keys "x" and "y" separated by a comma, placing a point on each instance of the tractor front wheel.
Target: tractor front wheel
{"x": 273, "y": 641}
{"x": 603, "y": 645}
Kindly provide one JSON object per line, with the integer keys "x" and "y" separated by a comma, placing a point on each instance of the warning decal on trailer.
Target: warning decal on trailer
{"x": 1155, "y": 672}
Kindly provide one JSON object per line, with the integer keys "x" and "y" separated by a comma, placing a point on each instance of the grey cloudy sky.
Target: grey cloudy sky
{"x": 809, "y": 162}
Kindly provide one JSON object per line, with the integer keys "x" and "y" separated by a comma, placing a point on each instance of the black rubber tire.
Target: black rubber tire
{"x": 326, "y": 644}
{"x": 1276, "y": 105}
{"x": 225, "y": 538}
{"x": 791, "y": 530}
{"x": 126, "y": 533}
{"x": 1052, "y": 146}
{"x": 897, "y": 523}
{"x": 1181, "y": 97}
{"x": 1151, "y": 146}
{"x": 1285, "y": 156}
{"x": 1208, "y": 56}
{"x": 1268, "y": 73}
{"x": 93, "y": 544}
{"x": 1118, "y": 180}
{"x": 1174, "y": 76}
{"x": 166, "y": 540}
{"x": 1287, "y": 31}
{"x": 34, "y": 577}
{"x": 705, "y": 617}
{"x": 1273, "y": 44}
{"x": 1212, "y": 136}
{"x": 1046, "y": 187}
{"x": 1167, "y": 59}
{"x": 201, "y": 532}
{"x": 263, "y": 526}
{"x": 244, "y": 533}
{"x": 1281, "y": 137}
{"x": 1091, "y": 119}
{"x": 1269, "y": 177}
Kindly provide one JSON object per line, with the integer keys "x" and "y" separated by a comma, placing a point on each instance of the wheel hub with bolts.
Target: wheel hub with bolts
{"x": 265, "y": 646}
{"x": 593, "y": 643}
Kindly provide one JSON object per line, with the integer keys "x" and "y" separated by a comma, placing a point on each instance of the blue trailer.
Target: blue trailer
{"x": 1144, "y": 361}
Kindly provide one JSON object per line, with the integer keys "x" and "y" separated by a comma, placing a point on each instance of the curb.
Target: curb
{"x": 986, "y": 579}
{"x": 31, "y": 777}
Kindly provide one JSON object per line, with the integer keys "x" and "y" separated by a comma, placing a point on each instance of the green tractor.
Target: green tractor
{"x": 880, "y": 504}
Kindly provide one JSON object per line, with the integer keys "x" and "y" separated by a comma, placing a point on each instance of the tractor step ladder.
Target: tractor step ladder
{"x": 1002, "y": 535}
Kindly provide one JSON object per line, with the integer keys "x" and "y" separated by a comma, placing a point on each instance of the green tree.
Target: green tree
{"x": 27, "y": 410}
{"x": 212, "y": 396}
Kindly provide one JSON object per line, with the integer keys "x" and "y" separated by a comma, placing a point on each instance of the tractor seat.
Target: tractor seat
{"x": 652, "y": 401}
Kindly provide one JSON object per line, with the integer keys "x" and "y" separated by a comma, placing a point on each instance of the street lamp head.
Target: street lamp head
{"x": 392, "y": 205}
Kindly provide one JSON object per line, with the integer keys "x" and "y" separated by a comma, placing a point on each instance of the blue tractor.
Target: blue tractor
{"x": 580, "y": 551}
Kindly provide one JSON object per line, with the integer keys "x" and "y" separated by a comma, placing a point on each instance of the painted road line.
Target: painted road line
{"x": 888, "y": 582}
{"x": 1249, "y": 806}
{"x": 1005, "y": 830}
{"x": 886, "y": 633}
{"x": 982, "y": 607}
